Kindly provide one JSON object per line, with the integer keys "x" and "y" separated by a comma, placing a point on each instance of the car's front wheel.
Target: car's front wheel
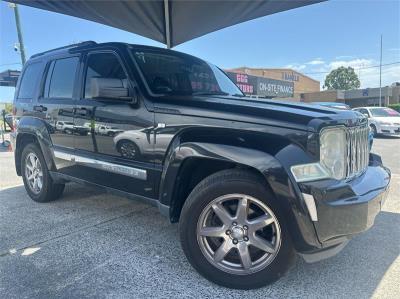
{"x": 37, "y": 180}
{"x": 128, "y": 149}
{"x": 233, "y": 233}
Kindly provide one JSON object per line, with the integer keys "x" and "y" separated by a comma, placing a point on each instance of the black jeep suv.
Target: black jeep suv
{"x": 251, "y": 182}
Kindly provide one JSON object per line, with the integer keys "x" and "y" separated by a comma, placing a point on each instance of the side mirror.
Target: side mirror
{"x": 366, "y": 115}
{"x": 112, "y": 89}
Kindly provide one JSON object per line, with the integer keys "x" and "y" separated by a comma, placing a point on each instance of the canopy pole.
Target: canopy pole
{"x": 167, "y": 26}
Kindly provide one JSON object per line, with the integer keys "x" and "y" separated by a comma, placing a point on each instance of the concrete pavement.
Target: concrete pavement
{"x": 92, "y": 244}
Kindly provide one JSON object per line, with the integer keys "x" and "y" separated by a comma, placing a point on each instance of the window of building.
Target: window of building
{"x": 103, "y": 65}
{"x": 60, "y": 78}
{"x": 29, "y": 80}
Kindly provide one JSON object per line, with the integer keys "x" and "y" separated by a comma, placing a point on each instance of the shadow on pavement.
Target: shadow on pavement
{"x": 92, "y": 244}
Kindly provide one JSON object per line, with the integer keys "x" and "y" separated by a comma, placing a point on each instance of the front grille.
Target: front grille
{"x": 357, "y": 150}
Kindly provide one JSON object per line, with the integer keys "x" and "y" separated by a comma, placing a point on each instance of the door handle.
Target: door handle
{"x": 81, "y": 111}
{"x": 40, "y": 108}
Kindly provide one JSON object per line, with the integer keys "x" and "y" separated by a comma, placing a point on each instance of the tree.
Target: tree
{"x": 342, "y": 78}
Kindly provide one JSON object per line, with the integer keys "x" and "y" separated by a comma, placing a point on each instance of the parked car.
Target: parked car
{"x": 343, "y": 106}
{"x": 130, "y": 144}
{"x": 110, "y": 131}
{"x": 68, "y": 127}
{"x": 252, "y": 183}
{"x": 382, "y": 120}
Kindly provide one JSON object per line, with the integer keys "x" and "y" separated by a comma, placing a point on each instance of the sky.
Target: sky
{"x": 312, "y": 40}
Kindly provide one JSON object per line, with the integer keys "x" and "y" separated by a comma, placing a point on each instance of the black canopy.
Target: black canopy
{"x": 171, "y": 22}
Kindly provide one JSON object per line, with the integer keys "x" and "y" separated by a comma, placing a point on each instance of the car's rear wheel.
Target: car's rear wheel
{"x": 233, "y": 233}
{"x": 37, "y": 180}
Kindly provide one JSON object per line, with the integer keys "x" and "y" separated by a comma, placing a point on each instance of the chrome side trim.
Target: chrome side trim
{"x": 136, "y": 173}
{"x": 64, "y": 156}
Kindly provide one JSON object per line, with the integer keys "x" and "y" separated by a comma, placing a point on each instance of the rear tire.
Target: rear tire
{"x": 245, "y": 265}
{"x": 37, "y": 180}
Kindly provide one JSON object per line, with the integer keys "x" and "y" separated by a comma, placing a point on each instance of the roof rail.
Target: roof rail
{"x": 81, "y": 44}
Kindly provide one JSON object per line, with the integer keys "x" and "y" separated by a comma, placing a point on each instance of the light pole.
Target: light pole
{"x": 380, "y": 77}
{"x": 19, "y": 32}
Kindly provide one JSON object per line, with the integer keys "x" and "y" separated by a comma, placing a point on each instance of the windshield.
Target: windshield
{"x": 180, "y": 74}
{"x": 384, "y": 112}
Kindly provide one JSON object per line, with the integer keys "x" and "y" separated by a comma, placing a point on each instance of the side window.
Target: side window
{"x": 365, "y": 112}
{"x": 103, "y": 65}
{"x": 29, "y": 81}
{"x": 60, "y": 78}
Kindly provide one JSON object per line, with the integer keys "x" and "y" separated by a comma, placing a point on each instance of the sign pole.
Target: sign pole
{"x": 19, "y": 32}
{"x": 380, "y": 77}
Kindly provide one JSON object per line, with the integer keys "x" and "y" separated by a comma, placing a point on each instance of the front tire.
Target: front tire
{"x": 37, "y": 180}
{"x": 128, "y": 149}
{"x": 233, "y": 233}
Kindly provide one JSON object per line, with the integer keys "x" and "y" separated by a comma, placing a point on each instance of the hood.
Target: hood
{"x": 388, "y": 119}
{"x": 294, "y": 115}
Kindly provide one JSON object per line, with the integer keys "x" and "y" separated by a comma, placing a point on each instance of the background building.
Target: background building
{"x": 357, "y": 97}
{"x": 301, "y": 82}
{"x": 262, "y": 87}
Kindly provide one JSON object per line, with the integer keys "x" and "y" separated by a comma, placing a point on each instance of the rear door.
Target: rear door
{"x": 57, "y": 100}
{"x": 118, "y": 151}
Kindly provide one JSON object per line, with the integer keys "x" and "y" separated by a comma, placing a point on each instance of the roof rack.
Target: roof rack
{"x": 81, "y": 44}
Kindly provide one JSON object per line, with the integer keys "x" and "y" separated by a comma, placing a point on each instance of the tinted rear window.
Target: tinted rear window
{"x": 29, "y": 80}
{"x": 61, "y": 77}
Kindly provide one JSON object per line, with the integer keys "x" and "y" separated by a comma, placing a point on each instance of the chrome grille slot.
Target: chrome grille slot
{"x": 357, "y": 150}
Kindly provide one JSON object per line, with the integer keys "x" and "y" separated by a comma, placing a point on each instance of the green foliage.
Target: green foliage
{"x": 395, "y": 107}
{"x": 342, "y": 78}
{"x": 9, "y": 107}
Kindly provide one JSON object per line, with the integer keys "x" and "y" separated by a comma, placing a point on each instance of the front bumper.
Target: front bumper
{"x": 345, "y": 209}
{"x": 389, "y": 129}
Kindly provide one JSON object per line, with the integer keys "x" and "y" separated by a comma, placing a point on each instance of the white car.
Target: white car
{"x": 69, "y": 128}
{"x": 149, "y": 140}
{"x": 65, "y": 126}
{"x": 382, "y": 120}
{"x": 109, "y": 131}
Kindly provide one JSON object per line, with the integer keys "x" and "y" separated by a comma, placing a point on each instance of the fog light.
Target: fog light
{"x": 308, "y": 172}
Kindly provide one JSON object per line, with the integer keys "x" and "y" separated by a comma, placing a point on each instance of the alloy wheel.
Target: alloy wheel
{"x": 238, "y": 234}
{"x": 128, "y": 150}
{"x": 33, "y": 173}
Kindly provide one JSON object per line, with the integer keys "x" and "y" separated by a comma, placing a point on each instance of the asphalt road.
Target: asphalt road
{"x": 91, "y": 244}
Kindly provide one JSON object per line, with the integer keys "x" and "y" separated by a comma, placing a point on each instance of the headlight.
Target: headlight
{"x": 333, "y": 152}
{"x": 332, "y": 164}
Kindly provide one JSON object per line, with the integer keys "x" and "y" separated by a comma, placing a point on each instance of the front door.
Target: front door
{"x": 118, "y": 150}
